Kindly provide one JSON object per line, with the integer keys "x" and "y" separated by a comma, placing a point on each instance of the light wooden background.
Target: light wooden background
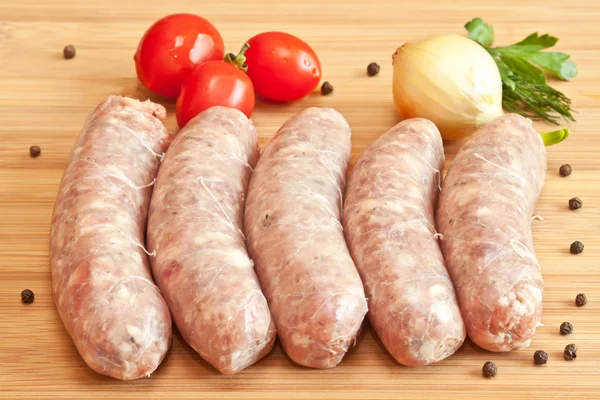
{"x": 44, "y": 100}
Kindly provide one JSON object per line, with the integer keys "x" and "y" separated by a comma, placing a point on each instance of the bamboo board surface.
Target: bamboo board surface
{"x": 45, "y": 99}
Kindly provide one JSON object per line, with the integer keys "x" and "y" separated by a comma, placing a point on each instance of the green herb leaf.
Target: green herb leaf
{"x": 480, "y": 32}
{"x": 505, "y": 72}
{"x": 505, "y": 75}
{"x": 524, "y": 67}
{"x": 535, "y": 43}
{"x": 556, "y": 63}
{"x": 524, "y": 88}
{"x": 536, "y": 101}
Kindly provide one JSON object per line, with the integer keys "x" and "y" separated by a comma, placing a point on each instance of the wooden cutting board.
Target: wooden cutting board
{"x": 45, "y": 99}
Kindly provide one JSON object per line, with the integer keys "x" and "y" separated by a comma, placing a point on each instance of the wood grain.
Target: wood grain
{"x": 45, "y": 99}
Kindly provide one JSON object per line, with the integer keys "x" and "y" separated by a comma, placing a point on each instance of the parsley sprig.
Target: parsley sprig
{"x": 524, "y": 88}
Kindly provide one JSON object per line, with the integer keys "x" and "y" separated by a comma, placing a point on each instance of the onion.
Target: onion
{"x": 450, "y": 80}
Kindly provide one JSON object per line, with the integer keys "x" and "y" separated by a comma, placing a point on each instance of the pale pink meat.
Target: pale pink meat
{"x": 484, "y": 214}
{"x": 294, "y": 235}
{"x": 100, "y": 277}
{"x": 389, "y": 227}
{"x": 195, "y": 227}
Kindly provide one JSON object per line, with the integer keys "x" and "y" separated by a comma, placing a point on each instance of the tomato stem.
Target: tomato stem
{"x": 238, "y": 61}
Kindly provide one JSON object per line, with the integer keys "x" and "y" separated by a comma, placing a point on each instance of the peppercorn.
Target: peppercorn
{"x": 566, "y": 328}
{"x": 540, "y": 357}
{"x": 576, "y": 247}
{"x": 35, "y": 151}
{"x": 27, "y": 296}
{"x": 373, "y": 69}
{"x": 69, "y": 52}
{"x": 565, "y": 170}
{"x": 570, "y": 352}
{"x": 489, "y": 369}
{"x": 575, "y": 203}
{"x": 326, "y": 88}
{"x": 580, "y": 300}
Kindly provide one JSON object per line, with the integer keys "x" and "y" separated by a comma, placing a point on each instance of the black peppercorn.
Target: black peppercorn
{"x": 575, "y": 203}
{"x": 565, "y": 170}
{"x": 566, "y": 328}
{"x": 326, "y": 88}
{"x": 576, "y": 247}
{"x": 27, "y": 296}
{"x": 570, "y": 352}
{"x": 489, "y": 369}
{"x": 35, "y": 151}
{"x": 69, "y": 52}
{"x": 373, "y": 69}
{"x": 580, "y": 300}
{"x": 540, "y": 357}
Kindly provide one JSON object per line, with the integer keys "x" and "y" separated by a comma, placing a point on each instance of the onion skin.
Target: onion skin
{"x": 450, "y": 80}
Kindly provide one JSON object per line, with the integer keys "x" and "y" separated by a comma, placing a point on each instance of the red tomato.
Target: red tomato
{"x": 214, "y": 83}
{"x": 172, "y": 47}
{"x": 282, "y": 67}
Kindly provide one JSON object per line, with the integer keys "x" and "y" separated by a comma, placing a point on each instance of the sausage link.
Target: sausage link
{"x": 294, "y": 234}
{"x": 100, "y": 277}
{"x": 195, "y": 226}
{"x": 486, "y": 204}
{"x": 389, "y": 227}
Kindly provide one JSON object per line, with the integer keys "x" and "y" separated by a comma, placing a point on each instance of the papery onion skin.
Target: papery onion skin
{"x": 450, "y": 80}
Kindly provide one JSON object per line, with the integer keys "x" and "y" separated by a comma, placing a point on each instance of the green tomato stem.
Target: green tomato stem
{"x": 238, "y": 61}
{"x": 554, "y": 137}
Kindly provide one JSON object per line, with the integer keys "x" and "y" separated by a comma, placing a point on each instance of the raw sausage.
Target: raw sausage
{"x": 195, "y": 227}
{"x": 389, "y": 227}
{"x": 100, "y": 277}
{"x": 486, "y": 204}
{"x": 292, "y": 224}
